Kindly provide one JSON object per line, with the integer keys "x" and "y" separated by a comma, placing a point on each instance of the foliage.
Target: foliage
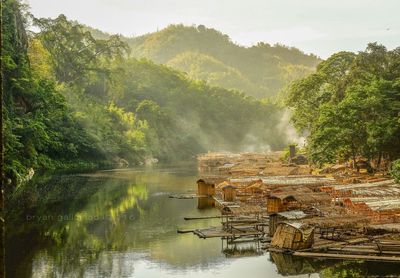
{"x": 73, "y": 100}
{"x": 350, "y": 106}
{"x": 395, "y": 171}
{"x": 77, "y": 52}
{"x": 38, "y": 127}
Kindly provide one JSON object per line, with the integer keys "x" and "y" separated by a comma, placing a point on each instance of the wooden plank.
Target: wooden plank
{"x": 390, "y": 241}
{"x": 211, "y": 234}
{"x": 186, "y": 196}
{"x": 185, "y": 231}
{"x": 243, "y": 240}
{"x": 255, "y": 221}
{"x": 347, "y": 256}
{"x": 204, "y": 217}
{"x": 348, "y": 242}
{"x": 365, "y": 251}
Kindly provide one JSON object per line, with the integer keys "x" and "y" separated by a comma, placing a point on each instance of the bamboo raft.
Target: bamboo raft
{"x": 361, "y": 248}
{"x": 210, "y": 233}
{"x": 347, "y": 256}
{"x": 216, "y": 232}
{"x": 332, "y": 223}
{"x": 186, "y": 196}
{"x": 204, "y": 217}
{"x": 232, "y": 228}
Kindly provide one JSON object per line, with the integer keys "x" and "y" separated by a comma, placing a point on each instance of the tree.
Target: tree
{"x": 350, "y": 106}
{"x": 76, "y": 53}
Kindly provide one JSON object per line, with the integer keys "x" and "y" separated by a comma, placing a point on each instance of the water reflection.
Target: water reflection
{"x": 288, "y": 265}
{"x": 205, "y": 202}
{"x": 244, "y": 249}
{"x": 122, "y": 224}
{"x": 74, "y": 223}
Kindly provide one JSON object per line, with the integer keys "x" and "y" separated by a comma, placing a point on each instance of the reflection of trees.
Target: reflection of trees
{"x": 362, "y": 269}
{"x": 289, "y": 265}
{"x": 81, "y": 217}
{"x": 241, "y": 249}
{"x": 99, "y": 225}
{"x": 101, "y": 214}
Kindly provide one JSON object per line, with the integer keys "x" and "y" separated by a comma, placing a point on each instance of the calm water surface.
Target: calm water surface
{"x": 121, "y": 223}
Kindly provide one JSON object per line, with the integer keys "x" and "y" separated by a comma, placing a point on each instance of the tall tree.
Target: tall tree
{"x": 76, "y": 53}
{"x": 350, "y": 107}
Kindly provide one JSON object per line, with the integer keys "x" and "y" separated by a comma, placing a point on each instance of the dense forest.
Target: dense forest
{"x": 74, "y": 101}
{"x": 76, "y": 97}
{"x": 350, "y": 107}
{"x": 207, "y": 54}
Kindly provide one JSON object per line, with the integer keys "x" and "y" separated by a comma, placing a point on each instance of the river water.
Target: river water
{"x": 121, "y": 223}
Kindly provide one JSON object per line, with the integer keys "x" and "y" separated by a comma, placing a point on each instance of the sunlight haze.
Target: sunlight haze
{"x": 314, "y": 26}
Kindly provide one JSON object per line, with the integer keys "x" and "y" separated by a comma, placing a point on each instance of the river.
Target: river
{"x": 121, "y": 223}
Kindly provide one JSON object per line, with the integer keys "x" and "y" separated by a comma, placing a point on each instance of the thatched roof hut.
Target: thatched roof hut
{"x": 274, "y": 204}
{"x": 205, "y": 187}
{"x": 285, "y": 200}
{"x": 229, "y": 193}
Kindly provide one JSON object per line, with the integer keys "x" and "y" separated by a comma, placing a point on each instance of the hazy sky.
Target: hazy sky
{"x": 318, "y": 26}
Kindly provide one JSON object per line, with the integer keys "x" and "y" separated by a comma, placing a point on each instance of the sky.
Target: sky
{"x": 322, "y": 27}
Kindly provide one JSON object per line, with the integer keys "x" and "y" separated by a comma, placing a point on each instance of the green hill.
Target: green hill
{"x": 73, "y": 101}
{"x": 205, "y": 53}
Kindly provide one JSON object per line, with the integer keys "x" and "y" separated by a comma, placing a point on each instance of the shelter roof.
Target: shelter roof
{"x": 293, "y": 214}
{"x": 229, "y": 186}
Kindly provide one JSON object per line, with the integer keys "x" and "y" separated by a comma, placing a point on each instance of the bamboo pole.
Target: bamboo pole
{"x": 347, "y": 256}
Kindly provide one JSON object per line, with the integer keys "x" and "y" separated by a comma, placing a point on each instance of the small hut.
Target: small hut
{"x": 229, "y": 193}
{"x": 274, "y": 204}
{"x": 293, "y": 236}
{"x": 286, "y": 200}
{"x": 276, "y": 218}
{"x": 205, "y": 187}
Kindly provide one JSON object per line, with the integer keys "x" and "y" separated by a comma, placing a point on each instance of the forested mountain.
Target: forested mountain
{"x": 73, "y": 101}
{"x": 207, "y": 54}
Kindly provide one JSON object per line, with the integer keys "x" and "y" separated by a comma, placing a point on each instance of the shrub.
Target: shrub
{"x": 395, "y": 170}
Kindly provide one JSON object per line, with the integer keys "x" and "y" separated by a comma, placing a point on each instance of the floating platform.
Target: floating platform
{"x": 206, "y": 233}
{"x": 204, "y": 217}
{"x": 347, "y": 256}
{"x": 218, "y": 232}
{"x": 186, "y": 196}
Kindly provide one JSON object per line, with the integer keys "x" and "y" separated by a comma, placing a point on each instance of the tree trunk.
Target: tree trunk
{"x": 2, "y": 176}
{"x": 378, "y": 166}
{"x": 355, "y": 162}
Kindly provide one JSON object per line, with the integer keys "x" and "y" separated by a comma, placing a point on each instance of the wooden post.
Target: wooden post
{"x": 292, "y": 151}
